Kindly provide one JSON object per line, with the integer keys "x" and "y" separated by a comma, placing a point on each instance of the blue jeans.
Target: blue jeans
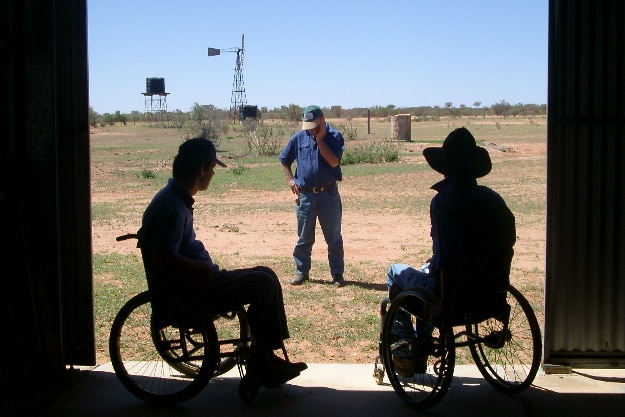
{"x": 404, "y": 276}
{"x": 259, "y": 288}
{"x": 327, "y": 207}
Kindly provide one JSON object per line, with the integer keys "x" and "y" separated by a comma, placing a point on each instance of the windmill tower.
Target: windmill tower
{"x": 238, "y": 100}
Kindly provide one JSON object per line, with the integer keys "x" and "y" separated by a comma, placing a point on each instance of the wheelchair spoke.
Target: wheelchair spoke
{"x": 512, "y": 366}
{"x": 160, "y": 363}
{"x": 420, "y": 371}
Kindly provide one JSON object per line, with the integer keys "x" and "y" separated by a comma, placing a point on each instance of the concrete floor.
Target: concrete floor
{"x": 345, "y": 390}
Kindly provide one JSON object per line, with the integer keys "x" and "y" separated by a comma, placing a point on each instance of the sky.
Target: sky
{"x": 356, "y": 53}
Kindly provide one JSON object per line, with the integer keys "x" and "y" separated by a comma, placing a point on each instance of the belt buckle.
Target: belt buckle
{"x": 317, "y": 190}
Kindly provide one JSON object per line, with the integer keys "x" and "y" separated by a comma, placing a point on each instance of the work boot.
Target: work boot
{"x": 337, "y": 280}
{"x": 299, "y": 279}
{"x": 408, "y": 366}
{"x": 262, "y": 370}
{"x": 283, "y": 363}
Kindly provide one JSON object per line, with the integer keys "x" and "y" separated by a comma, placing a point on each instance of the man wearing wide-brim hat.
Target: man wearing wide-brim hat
{"x": 473, "y": 232}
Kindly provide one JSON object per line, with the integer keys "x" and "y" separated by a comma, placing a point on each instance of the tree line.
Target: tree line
{"x": 201, "y": 113}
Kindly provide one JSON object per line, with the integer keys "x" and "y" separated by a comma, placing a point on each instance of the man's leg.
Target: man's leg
{"x": 306, "y": 222}
{"x": 260, "y": 288}
{"x": 406, "y": 353}
{"x": 330, "y": 213}
{"x": 404, "y": 276}
{"x": 401, "y": 277}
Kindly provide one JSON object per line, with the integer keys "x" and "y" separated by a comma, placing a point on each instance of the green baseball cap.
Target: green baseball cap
{"x": 310, "y": 114}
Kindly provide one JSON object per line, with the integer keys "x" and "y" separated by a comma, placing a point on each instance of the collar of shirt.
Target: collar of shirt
{"x": 182, "y": 192}
{"x": 453, "y": 182}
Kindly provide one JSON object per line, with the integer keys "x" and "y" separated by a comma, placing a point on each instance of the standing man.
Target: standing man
{"x": 317, "y": 150}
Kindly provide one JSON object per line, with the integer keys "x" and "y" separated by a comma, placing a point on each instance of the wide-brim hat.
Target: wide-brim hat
{"x": 459, "y": 156}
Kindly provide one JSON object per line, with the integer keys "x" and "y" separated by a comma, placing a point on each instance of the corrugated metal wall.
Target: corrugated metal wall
{"x": 585, "y": 271}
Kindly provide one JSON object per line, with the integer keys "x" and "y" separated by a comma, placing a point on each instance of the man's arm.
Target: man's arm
{"x": 324, "y": 149}
{"x": 450, "y": 283}
{"x": 288, "y": 174}
{"x": 197, "y": 273}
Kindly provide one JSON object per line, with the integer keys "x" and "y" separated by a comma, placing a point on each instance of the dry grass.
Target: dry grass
{"x": 248, "y": 219}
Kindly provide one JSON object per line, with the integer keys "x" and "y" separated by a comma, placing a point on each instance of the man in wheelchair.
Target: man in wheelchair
{"x": 179, "y": 268}
{"x": 473, "y": 233}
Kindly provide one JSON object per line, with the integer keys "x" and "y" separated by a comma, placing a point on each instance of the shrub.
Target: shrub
{"x": 373, "y": 153}
{"x": 238, "y": 170}
{"x": 147, "y": 174}
{"x": 263, "y": 139}
{"x": 350, "y": 132}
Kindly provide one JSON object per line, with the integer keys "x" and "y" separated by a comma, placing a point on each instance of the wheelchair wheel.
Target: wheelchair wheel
{"x": 234, "y": 336}
{"x": 509, "y": 361}
{"x": 421, "y": 383}
{"x": 162, "y": 363}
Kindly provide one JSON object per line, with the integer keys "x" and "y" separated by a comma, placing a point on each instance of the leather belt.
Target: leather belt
{"x": 318, "y": 190}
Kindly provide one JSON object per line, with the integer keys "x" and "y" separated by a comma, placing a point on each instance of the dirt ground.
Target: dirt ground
{"x": 370, "y": 236}
{"x": 367, "y": 236}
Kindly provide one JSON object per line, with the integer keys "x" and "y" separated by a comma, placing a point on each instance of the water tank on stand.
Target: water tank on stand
{"x": 155, "y": 86}
{"x": 155, "y": 97}
{"x": 248, "y": 112}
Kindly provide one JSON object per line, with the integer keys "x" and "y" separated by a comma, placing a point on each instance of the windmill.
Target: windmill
{"x": 238, "y": 99}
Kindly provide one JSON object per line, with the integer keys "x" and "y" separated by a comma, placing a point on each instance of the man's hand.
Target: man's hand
{"x": 321, "y": 133}
{"x": 288, "y": 174}
{"x": 294, "y": 188}
{"x": 324, "y": 149}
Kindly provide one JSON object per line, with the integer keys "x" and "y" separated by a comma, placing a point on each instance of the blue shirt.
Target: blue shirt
{"x": 473, "y": 228}
{"x": 312, "y": 170}
{"x": 167, "y": 227}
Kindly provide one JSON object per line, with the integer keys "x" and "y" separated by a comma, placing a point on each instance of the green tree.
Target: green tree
{"x": 197, "y": 113}
{"x": 93, "y": 117}
{"x": 501, "y": 109}
{"x": 292, "y": 112}
{"x": 336, "y": 111}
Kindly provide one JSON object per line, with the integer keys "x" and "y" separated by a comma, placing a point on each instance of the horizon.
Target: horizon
{"x": 346, "y": 109}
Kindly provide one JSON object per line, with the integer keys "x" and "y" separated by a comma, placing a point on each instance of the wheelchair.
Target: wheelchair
{"x": 166, "y": 353}
{"x": 500, "y": 330}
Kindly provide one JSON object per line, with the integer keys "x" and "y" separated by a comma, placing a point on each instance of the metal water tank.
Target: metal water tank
{"x": 248, "y": 112}
{"x": 154, "y": 86}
